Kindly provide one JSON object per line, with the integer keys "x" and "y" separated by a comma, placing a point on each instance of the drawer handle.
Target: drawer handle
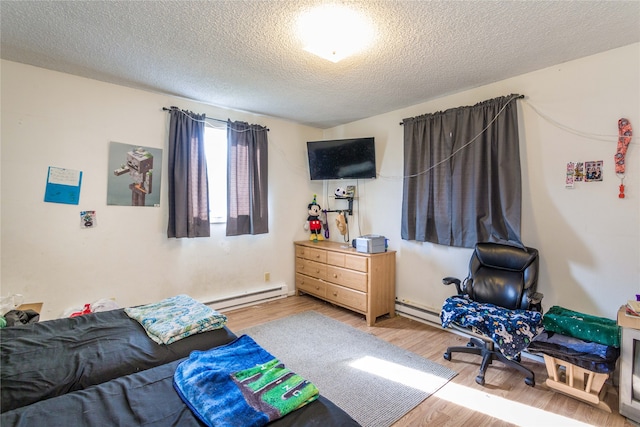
{"x": 318, "y": 270}
{"x": 335, "y": 294}
{"x": 317, "y": 288}
{"x": 335, "y": 276}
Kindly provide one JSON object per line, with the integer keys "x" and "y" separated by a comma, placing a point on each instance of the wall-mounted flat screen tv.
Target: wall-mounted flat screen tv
{"x": 353, "y": 158}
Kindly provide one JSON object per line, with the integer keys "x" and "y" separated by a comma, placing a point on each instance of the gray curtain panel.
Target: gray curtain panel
{"x": 188, "y": 184}
{"x": 247, "y": 179}
{"x": 462, "y": 182}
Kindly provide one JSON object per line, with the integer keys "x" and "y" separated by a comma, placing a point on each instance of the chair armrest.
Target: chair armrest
{"x": 536, "y": 298}
{"x": 535, "y": 301}
{"x": 449, "y": 280}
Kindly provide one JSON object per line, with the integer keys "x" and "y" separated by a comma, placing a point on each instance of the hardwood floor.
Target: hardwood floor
{"x": 505, "y": 400}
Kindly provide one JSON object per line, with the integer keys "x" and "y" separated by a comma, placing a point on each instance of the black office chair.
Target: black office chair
{"x": 498, "y": 305}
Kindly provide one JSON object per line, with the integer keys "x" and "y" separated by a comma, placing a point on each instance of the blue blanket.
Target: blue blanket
{"x": 175, "y": 318}
{"x": 240, "y": 384}
{"x": 510, "y": 330}
{"x": 591, "y": 356}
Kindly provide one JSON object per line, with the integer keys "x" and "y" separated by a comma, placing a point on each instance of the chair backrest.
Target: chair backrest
{"x": 503, "y": 275}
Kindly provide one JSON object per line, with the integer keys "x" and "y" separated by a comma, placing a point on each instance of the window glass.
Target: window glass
{"x": 216, "y": 153}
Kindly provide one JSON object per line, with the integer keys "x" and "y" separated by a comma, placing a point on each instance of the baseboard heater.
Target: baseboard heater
{"x": 432, "y": 318}
{"x": 248, "y": 298}
{"x": 424, "y": 315}
{"x": 418, "y": 313}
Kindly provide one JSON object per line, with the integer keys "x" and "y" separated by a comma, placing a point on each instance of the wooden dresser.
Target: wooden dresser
{"x": 337, "y": 273}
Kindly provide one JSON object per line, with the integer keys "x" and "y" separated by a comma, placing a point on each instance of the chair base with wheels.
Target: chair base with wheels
{"x": 485, "y": 349}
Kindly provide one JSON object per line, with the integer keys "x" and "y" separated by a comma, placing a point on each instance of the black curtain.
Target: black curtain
{"x": 462, "y": 182}
{"x": 188, "y": 184}
{"x": 247, "y": 179}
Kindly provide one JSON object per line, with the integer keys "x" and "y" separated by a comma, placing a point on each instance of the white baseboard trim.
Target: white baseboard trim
{"x": 249, "y": 298}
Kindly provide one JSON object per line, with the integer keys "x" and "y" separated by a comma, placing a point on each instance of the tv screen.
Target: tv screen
{"x": 353, "y": 158}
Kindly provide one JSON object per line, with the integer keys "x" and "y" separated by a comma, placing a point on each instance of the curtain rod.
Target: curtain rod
{"x": 208, "y": 118}
{"x": 205, "y": 117}
{"x": 515, "y": 97}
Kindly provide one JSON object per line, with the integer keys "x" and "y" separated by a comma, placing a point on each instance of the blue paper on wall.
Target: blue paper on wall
{"x": 63, "y": 186}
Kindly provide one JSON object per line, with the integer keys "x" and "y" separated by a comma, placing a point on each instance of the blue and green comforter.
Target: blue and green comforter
{"x": 240, "y": 384}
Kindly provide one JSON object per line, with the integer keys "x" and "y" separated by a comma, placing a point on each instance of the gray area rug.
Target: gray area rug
{"x": 375, "y": 382}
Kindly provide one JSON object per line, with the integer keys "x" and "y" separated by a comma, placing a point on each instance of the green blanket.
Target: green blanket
{"x": 583, "y": 326}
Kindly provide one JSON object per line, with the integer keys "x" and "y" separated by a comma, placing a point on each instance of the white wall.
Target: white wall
{"x": 589, "y": 239}
{"x": 56, "y": 119}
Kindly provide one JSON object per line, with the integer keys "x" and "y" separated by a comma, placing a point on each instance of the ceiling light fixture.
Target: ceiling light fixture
{"x": 334, "y": 32}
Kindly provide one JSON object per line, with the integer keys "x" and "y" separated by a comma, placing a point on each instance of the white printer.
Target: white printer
{"x": 370, "y": 243}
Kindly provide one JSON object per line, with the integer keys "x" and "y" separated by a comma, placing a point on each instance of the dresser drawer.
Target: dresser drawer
{"x": 347, "y": 297}
{"x": 313, "y": 254}
{"x": 311, "y": 268}
{"x": 353, "y": 262}
{"x": 300, "y": 250}
{"x": 310, "y": 285}
{"x": 349, "y": 278}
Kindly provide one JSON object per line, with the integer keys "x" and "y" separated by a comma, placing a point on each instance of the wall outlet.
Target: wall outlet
{"x": 267, "y": 277}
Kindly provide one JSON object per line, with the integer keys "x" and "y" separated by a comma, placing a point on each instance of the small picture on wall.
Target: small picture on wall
{"x": 578, "y": 171}
{"x": 593, "y": 171}
{"x": 134, "y": 175}
{"x": 63, "y": 186}
{"x": 569, "y": 180}
{"x": 88, "y": 219}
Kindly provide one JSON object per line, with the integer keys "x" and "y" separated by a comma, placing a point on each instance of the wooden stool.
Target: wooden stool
{"x": 578, "y": 382}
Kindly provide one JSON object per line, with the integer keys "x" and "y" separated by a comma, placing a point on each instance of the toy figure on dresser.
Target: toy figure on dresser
{"x": 314, "y": 223}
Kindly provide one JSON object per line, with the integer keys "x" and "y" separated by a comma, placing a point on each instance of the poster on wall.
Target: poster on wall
{"x": 134, "y": 175}
{"x": 593, "y": 171}
{"x": 575, "y": 173}
{"x": 63, "y": 186}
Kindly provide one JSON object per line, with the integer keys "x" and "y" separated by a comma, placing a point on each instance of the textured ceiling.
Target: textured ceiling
{"x": 245, "y": 55}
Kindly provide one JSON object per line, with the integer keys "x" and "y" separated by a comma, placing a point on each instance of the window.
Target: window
{"x": 215, "y": 147}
